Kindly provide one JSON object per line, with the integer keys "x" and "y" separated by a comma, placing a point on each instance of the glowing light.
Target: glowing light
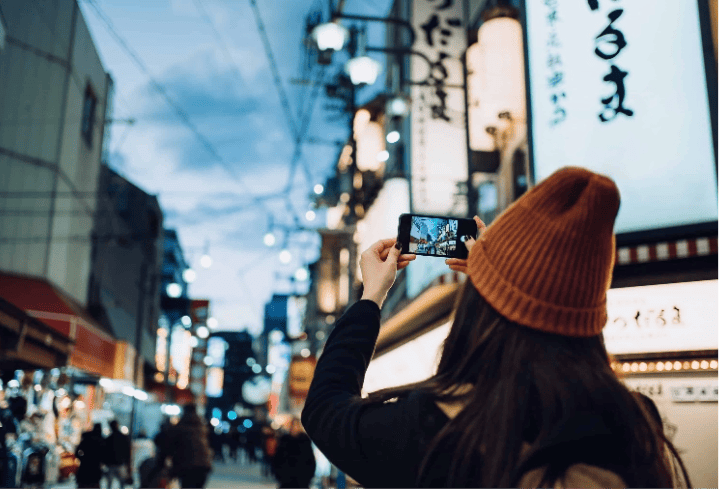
{"x": 713, "y": 364}
{"x": 232, "y": 415}
{"x": 206, "y": 261}
{"x": 383, "y": 155}
{"x": 310, "y": 215}
{"x": 319, "y": 188}
{"x": 189, "y": 275}
{"x": 271, "y": 369}
{"x": 124, "y": 430}
{"x": 705, "y": 364}
{"x": 301, "y": 274}
{"x": 363, "y": 70}
{"x": 285, "y": 256}
{"x": 128, "y": 391}
{"x": 186, "y": 320}
{"x": 194, "y": 342}
{"x": 247, "y": 423}
{"x": 208, "y": 360}
{"x": 141, "y": 395}
{"x": 174, "y": 290}
{"x": 79, "y": 405}
{"x": 203, "y": 332}
{"x": 214, "y": 422}
{"x": 398, "y": 107}
{"x": 269, "y": 239}
{"x": 393, "y": 137}
{"x": 251, "y": 361}
{"x": 305, "y": 353}
{"x": 106, "y": 383}
{"x": 330, "y": 36}
{"x": 212, "y": 322}
{"x": 256, "y": 368}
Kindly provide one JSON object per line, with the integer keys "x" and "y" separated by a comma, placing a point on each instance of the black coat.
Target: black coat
{"x": 383, "y": 444}
{"x": 90, "y": 453}
{"x": 294, "y": 461}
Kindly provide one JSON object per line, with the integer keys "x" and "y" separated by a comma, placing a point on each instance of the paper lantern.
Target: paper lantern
{"x": 495, "y": 81}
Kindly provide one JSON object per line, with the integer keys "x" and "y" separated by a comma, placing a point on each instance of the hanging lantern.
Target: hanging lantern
{"x": 370, "y": 145}
{"x": 495, "y": 81}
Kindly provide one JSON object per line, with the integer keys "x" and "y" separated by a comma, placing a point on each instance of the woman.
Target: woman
{"x": 524, "y": 395}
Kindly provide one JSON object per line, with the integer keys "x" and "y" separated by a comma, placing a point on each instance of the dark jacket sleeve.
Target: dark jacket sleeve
{"x": 367, "y": 441}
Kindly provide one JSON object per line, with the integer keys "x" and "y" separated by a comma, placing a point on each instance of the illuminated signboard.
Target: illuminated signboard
{"x": 661, "y": 318}
{"x": 620, "y": 87}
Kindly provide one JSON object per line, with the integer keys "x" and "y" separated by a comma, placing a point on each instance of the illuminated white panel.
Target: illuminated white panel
{"x": 661, "y": 155}
{"x": 661, "y": 318}
{"x": 411, "y": 362}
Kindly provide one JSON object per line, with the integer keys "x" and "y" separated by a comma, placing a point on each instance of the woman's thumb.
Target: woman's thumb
{"x": 394, "y": 254}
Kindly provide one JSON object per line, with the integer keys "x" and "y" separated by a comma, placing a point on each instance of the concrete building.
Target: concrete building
{"x": 53, "y": 98}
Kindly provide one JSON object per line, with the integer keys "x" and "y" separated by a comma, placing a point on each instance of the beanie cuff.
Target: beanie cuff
{"x": 517, "y": 306}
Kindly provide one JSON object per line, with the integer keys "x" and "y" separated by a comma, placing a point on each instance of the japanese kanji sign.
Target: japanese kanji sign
{"x": 620, "y": 87}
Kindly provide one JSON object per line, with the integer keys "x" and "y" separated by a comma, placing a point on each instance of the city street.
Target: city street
{"x": 233, "y": 474}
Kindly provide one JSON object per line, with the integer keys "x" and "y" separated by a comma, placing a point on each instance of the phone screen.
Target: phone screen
{"x": 435, "y": 236}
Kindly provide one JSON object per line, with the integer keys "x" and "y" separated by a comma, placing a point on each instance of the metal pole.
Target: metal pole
{"x": 138, "y": 336}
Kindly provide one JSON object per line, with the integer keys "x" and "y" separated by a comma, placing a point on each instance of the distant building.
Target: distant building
{"x": 124, "y": 291}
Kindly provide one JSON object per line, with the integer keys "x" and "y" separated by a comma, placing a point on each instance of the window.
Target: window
{"x": 88, "y": 115}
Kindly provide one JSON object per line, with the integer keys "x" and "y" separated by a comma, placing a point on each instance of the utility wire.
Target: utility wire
{"x": 162, "y": 91}
{"x": 275, "y": 72}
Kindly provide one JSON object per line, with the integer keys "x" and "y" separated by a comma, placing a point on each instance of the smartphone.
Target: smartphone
{"x": 435, "y": 235}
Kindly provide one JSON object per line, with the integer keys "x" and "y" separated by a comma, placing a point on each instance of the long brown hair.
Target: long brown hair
{"x": 525, "y": 384}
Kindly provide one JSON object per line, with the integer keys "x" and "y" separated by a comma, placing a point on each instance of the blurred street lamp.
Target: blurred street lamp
{"x": 310, "y": 215}
{"x": 189, "y": 275}
{"x": 174, "y": 290}
{"x": 186, "y": 320}
{"x": 319, "y": 188}
{"x": 285, "y": 256}
{"x": 363, "y": 70}
{"x": 397, "y": 107}
{"x": 301, "y": 274}
{"x": 269, "y": 239}
{"x": 206, "y": 261}
{"x": 393, "y": 137}
{"x": 330, "y": 36}
{"x": 211, "y": 322}
{"x": 203, "y": 332}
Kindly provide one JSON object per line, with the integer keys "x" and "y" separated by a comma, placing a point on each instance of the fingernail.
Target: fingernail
{"x": 398, "y": 245}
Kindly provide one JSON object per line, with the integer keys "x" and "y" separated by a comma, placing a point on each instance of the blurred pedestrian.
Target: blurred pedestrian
{"x": 187, "y": 445}
{"x": 269, "y": 447}
{"x": 118, "y": 450}
{"x": 524, "y": 394}
{"x": 142, "y": 449}
{"x": 233, "y": 438}
{"x": 216, "y": 442}
{"x": 294, "y": 461}
{"x": 90, "y": 454}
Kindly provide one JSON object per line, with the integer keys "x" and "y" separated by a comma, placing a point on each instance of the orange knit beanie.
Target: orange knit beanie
{"x": 546, "y": 262}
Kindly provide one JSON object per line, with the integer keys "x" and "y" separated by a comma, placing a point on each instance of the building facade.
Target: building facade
{"x": 53, "y": 97}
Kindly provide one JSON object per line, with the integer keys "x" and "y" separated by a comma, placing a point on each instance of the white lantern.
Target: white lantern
{"x": 370, "y": 143}
{"x": 495, "y": 81}
{"x": 330, "y": 36}
{"x": 363, "y": 70}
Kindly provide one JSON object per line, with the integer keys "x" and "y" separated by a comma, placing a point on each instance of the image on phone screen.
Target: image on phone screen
{"x": 433, "y": 236}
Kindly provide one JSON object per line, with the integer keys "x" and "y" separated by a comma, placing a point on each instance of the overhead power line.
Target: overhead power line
{"x": 183, "y": 116}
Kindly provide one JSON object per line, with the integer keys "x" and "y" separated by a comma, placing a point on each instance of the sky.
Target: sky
{"x": 211, "y": 137}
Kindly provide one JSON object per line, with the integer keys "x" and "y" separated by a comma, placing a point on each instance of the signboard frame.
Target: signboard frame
{"x": 650, "y": 235}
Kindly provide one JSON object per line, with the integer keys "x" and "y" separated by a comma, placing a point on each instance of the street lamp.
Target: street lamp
{"x": 363, "y": 70}
{"x": 330, "y": 36}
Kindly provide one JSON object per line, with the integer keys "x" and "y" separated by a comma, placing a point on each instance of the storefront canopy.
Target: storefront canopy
{"x": 93, "y": 350}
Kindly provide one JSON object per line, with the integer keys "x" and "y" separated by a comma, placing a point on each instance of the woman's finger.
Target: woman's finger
{"x": 481, "y": 226}
{"x": 458, "y": 268}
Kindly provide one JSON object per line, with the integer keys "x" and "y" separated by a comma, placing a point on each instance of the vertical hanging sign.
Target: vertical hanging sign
{"x": 439, "y": 139}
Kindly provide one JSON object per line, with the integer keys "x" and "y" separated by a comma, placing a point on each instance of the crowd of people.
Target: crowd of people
{"x": 185, "y": 451}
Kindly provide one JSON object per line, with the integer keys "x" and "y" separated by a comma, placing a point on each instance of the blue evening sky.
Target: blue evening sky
{"x": 208, "y": 57}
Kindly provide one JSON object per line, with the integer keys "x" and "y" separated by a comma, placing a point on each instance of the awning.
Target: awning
{"x": 27, "y": 343}
{"x": 93, "y": 350}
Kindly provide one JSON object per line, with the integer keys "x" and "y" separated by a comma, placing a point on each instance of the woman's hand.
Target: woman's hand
{"x": 460, "y": 264}
{"x": 379, "y": 265}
